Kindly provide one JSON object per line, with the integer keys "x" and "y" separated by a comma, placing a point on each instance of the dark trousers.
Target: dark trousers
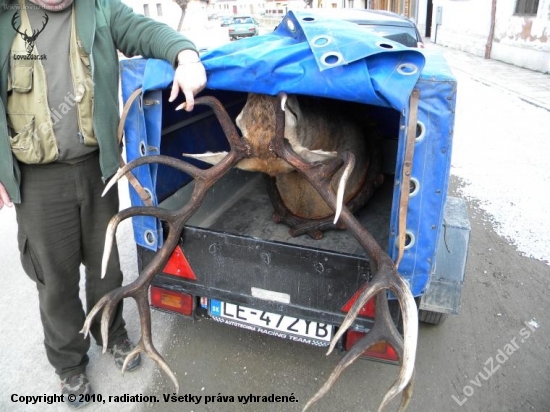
{"x": 62, "y": 222}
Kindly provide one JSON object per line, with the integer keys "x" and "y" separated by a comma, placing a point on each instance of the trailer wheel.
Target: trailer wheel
{"x": 431, "y": 318}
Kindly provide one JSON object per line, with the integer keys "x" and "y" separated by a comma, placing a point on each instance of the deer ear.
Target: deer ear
{"x": 292, "y": 112}
{"x": 292, "y": 115}
{"x": 208, "y": 157}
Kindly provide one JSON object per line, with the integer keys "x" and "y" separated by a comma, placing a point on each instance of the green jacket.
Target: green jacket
{"x": 103, "y": 26}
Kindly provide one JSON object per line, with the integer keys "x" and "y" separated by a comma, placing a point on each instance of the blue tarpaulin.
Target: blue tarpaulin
{"x": 318, "y": 56}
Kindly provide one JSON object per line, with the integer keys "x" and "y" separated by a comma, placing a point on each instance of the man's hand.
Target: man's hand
{"x": 4, "y": 197}
{"x": 190, "y": 78}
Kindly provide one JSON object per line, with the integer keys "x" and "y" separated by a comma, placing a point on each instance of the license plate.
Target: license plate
{"x": 282, "y": 326}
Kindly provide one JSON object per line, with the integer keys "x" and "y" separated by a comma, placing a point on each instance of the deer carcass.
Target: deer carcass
{"x": 316, "y": 133}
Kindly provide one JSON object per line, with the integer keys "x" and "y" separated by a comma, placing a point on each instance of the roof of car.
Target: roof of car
{"x": 362, "y": 16}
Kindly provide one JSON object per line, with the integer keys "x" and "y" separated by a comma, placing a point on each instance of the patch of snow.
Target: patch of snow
{"x": 501, "y": 151}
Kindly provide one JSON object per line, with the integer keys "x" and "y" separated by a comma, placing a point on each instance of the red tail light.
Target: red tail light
{"x": 182, "y": 303}
{"x": 382, "y": 350}
{"x": 179, "y": 266}
{"x": 368, "y": 311}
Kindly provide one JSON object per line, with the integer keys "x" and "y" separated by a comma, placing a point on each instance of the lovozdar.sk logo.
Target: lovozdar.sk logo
{"x": 29, "y": 39}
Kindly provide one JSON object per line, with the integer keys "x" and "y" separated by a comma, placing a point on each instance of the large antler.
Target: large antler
{"x": 319, "y": 175}
{"x": 175, "y": 220}
{"x": 385, "y": 277}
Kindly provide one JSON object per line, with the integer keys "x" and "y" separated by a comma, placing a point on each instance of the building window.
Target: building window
{"x": 146, "y": 10}
{"x": 527, "y": 7}
{"x": 159, "y": 9}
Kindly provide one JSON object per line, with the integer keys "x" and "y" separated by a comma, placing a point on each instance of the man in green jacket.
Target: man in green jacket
{"x": 58, "y": 145}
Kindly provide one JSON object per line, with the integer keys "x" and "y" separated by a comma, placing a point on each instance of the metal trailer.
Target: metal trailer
{"x": 233, "y": 263}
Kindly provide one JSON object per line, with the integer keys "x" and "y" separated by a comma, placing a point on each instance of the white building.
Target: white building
{"x": 196, "y": 27}
{"x": 166, "y": 11}
{"x": 513, "y": 31}
{"x": 234, "y": 7}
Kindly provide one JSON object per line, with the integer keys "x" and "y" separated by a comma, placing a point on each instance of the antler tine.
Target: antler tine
{"x": 145, "y": 344}
{"x": 350, "y": 357}
{"x": 377, "y": 334}
{"x": 383, "y": 330}
{"x": 349, "y": 164}
{"x": 410, "y": 334}
{"x": 91, "y": 315}
{"x": 376, "y": 286}
{"x": 110, "y": 233}
{"x": 179, "y": 164}
{"x": 407, "y": 395}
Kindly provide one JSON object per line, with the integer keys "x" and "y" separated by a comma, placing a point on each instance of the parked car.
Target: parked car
{"x": 243, "y": 26}
{"x": 225, "y": 21}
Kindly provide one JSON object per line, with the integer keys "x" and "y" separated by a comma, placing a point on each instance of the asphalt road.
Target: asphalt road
{"x": 493, "y": 356}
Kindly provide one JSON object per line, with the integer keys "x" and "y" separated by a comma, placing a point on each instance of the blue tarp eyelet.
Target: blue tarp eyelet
{"x": 142, "y": 148}
{"x": 331, "y": 58}
{"x": 409, "y": 240}
{"x": 407, "y": 69}
{"x": 420, "y": 131}
{"x": 321, "y": 41}
{"x": 290, "y": 25}
{"x": 385, "y": 45}
{"x": 149, "y": 237}
{"x": 414, "y": 187}
{"x": 148, "y": 192}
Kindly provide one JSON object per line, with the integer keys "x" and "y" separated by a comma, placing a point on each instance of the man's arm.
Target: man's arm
{"x": 4, "y": 197}
{"x": 135, "y": 34}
